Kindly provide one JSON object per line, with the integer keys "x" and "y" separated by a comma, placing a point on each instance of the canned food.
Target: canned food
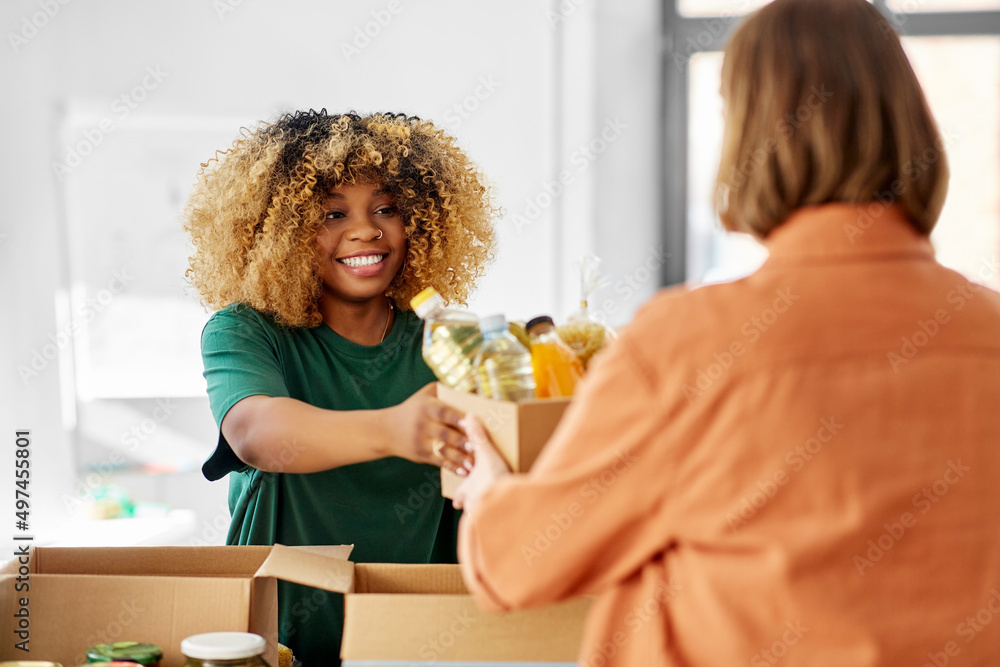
{"x": 133, "y": 652}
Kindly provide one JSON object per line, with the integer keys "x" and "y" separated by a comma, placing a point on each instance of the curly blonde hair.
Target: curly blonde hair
{"x": 256, "y": 210}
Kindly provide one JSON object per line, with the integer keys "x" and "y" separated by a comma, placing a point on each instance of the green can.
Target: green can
{"x": 138, "y": 652}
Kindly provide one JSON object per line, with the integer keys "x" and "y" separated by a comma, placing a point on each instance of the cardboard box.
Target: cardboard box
{"x": 413, "y": 613}
{"x": 422, "y": 614}
{"x": 80, "y": 597}
{"x": 519, "y": 430}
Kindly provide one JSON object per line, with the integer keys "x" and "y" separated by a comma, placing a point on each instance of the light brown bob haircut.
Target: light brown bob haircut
{"x": 256, "y": 210}
{"x": 822, "y": 105}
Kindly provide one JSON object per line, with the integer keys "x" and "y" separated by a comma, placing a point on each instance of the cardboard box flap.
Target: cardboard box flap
{"x": 11, "y": 567}
{"x": 142, "y": 561}
{"x": 408, "y": 579}
{"x": 341, "y": 551}
{"x": 308, "y": 568}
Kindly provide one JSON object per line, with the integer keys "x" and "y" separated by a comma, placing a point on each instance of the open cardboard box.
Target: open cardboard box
{"x": 422, "y": 614}
{"x": 412, "y": 613}
{"x": 80, "y": 597}
{"x": 519, "y": 430}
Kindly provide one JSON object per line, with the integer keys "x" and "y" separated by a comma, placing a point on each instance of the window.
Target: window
{"x": 966, "y": 103}
{"x": 718, "y": 7}
{"x": 133, "y": 386}
{"x": 911, "y": 6}
{"x": 956, "y": 55}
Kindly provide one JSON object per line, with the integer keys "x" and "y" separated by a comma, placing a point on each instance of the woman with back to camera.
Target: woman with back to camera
{"x": 311, "y": 235}
{"x": 796, "y": 468}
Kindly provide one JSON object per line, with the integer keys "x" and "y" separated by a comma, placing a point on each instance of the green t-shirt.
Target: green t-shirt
{"x": 390, "y": 509}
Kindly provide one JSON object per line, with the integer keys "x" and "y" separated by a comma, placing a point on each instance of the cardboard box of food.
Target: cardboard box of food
{"x": 418, "y": 614}
{"x": 75, "y": 598}
{"x": 520, "y": 430}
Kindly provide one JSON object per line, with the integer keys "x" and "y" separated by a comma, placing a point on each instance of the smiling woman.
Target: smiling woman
{"x": 311, "y": 235}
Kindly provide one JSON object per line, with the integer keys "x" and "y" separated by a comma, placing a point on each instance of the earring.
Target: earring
{"x": 379, "y": 235}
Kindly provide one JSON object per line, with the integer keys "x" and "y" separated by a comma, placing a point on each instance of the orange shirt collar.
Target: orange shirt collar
{"x": 846, "y": 232}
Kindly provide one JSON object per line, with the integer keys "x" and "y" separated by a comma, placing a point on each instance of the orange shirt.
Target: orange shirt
{"x": 798, "y": 468}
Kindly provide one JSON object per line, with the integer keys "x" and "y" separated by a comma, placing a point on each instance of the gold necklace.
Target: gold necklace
{"x": 388, "y": 316}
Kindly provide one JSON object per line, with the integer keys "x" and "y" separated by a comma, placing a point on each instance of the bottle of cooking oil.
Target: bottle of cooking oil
{"x": 451, "y": 340}
{"x": 503, "y": 365}
{"x": 557, "y": 368}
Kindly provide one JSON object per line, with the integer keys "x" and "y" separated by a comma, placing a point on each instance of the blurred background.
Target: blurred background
{"x": 598, "y": 121}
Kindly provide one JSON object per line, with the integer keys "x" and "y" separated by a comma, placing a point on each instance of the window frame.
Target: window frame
{"x": 684, "y": 36}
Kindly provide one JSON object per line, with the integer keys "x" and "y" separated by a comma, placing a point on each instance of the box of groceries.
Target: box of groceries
{"x": 517, "y": 378}
{"x": 518, "y": 428}
{"x": 413, "y": 614}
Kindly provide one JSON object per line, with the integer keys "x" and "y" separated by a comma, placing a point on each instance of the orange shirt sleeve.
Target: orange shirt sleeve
{"x": 572, "y": 525}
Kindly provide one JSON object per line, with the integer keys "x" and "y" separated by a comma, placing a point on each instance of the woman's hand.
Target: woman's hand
{"x": 426, "y": 430}
{"x": 490, "y": 466}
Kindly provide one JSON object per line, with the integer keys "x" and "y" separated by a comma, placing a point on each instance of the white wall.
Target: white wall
{"x": 558, "y": 74}
{"x": 627, "y": 202}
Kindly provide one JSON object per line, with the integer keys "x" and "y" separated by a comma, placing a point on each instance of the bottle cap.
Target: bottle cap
{"x": 223, "y": 646}
{"x": 493, "y": 323}
{"x": 426, "y": 302}
{"x": 541, "y": 319}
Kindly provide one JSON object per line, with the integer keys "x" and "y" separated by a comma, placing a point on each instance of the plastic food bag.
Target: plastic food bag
{"x": 583, "y": 332}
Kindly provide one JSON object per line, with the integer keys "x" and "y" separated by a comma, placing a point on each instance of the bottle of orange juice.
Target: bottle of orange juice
{"x": 557, "y": 368}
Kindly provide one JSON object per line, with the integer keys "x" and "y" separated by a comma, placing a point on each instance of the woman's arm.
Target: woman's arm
{"x": 585, "y": 517}
{"x": 278, "y": 434}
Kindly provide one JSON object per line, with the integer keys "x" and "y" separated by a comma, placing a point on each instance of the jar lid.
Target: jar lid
{"x": 144, "y": 654}
{"x": 223, "y": 645}
{"x": 535, "y": 321}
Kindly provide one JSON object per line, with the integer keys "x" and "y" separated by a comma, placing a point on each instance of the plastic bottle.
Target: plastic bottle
{"x": 557, "y": 368}
{"x": 503, "y": 365}
{"x": 451, "y": 341}
{"x": 583, "y": 333}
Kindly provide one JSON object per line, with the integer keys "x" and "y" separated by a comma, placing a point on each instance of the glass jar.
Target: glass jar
{"x": 224, "y": 649}
{"x": 134, "y": 652}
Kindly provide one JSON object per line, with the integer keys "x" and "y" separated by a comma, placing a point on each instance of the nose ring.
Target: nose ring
{"x": 379, "y": 235}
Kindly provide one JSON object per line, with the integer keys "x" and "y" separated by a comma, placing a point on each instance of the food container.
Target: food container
{"x": 129, "y": 652}
{"x": 224, "y": 649}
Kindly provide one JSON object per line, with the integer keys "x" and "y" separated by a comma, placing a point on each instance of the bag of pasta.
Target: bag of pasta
{"x": 583, "y": 332}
